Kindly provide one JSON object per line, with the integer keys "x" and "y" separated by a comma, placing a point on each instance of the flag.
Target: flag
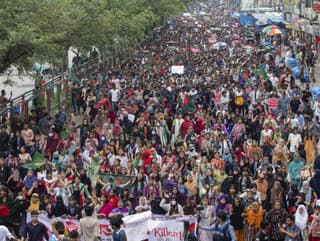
{"x": 37, "y": 161}
{"x": 244, "y": 79}
{"x": 188, "y": 105}
{"x": 117, "y": 180}
{"x": 263, "y": 72}
{"x": 10, "y": 212}
{"x": 154, "y": 63}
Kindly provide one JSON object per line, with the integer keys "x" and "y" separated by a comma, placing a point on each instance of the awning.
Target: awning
{"x": 275, "y": 20}
{"x": 235, "y": 15}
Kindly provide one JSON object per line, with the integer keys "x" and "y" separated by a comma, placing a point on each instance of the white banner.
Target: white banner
{"x": 177, "y": 69}
{"x": 165, "y": 230}
{"x": 72, "y": 224}
{"x": 138, "y": 227}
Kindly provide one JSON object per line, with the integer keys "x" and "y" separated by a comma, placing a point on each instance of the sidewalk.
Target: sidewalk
{"x": 317, "y": 72}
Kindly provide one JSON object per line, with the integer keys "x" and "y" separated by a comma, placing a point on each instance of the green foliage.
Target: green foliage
{"x": 43, "y": 30}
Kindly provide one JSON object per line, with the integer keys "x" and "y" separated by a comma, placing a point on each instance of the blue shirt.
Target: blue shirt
{"x": 220, "y": 227}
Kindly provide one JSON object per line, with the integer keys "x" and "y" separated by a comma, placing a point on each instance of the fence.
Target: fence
{"x": 50, "y": 95}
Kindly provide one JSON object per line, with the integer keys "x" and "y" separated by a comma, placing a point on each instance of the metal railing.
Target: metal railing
{"x": 51, "y": 94}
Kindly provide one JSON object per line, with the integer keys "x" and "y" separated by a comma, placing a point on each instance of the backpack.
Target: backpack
{"x": 221, "y": 235}
{"x": 315, "y": 227}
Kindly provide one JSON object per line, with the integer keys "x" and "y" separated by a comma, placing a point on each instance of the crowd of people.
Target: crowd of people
{"x": 233, "y": 140}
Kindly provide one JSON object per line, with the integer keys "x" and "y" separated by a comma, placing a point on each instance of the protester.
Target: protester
{"x": 34, "y": 230}
{"x": 236, "y": 132}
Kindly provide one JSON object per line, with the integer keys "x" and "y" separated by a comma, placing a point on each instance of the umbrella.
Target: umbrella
{"x": 267, "y": 44}
{"x": 274, "y": 32}
{"x": 247, "y": 47}
{"x": 211, "y": 40}
{"x": 269, "y": 28}
{"x": 216, "y": 29}
{"x": 236, "y": 36}
{"x": 220, "y": 44}
{"x": 40, "y": 67}
{"x": 195, "y": 50}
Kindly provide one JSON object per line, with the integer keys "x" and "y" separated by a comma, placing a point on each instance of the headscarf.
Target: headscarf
{"x": 34, "y": 203}
{"x": 144, "y": 207}
{"x": 222, "y": 206}
{"x": 301, "y": 219}
{"x": 59, "y": 208}
{"x": 255, "y": 215}
{"x": 28, "y": 181}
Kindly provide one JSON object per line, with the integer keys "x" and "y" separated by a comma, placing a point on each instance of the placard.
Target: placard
{"x": 177, "y": 69}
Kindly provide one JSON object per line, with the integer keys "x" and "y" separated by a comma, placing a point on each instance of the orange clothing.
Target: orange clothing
{"x": 217, "y": 164}
{"x": 254, "y": 218}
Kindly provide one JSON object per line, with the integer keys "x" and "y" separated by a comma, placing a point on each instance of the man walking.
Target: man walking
{"x": 34, "y": 230}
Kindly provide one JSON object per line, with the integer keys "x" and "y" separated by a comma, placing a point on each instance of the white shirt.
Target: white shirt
{"x": 115, "y": 95}
{"x": 5, "y": 233}
{"x": 294, "y": 140}
{"x": 274, "y": 80}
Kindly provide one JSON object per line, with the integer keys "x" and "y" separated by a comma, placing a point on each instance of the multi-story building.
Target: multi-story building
{"x": 304, "y": 16}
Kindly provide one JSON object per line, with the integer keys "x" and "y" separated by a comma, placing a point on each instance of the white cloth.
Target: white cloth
{"x": 115, "y": 95}
{"x": 63, "y": 192}
{"x": 5, "y": 233}
{"x": 301, "y": 219}
{"x": 294, "y": 140}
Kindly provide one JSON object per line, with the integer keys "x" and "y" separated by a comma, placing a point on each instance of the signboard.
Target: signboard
{"x": 316, "y": 6}
{"x": 177, "y": 69}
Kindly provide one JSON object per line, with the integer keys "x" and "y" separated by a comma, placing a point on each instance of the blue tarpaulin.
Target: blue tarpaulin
{"x": 235, "y": 15}
{"x": 247, "y": 20}
{"x": 275, "y": 20}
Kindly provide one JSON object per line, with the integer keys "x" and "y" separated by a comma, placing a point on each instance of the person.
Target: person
{"x": 301, "y": 218}
{"x": 172, "y": 208}
{"x": 187, "y": 235}
{"x": 222, "y": 231}
{"x": 276, "y": 217}
{"x": 290, "y": 230}
{"x": 207, "y": 217}
{"x": 263, "y": 233}
{"x": 89, "y": 225}
{"x": 58, "y": 231}
{"x": 254, "y": 217}
{"x": 118, "y": 233}
{"x": 314, "y": 231}
{"x": 34, "y": 230}
{"x": 237, "y": 214}
{"x": 5, "y": 234}
{"x": 73, "y": 236}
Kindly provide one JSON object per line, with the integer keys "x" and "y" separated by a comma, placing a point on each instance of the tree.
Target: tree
{"x": 43, "y": 30}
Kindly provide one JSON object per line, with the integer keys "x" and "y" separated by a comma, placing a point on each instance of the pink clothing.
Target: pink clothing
{"x": 106, "y": 209}
{"x": 27, "y": 136}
